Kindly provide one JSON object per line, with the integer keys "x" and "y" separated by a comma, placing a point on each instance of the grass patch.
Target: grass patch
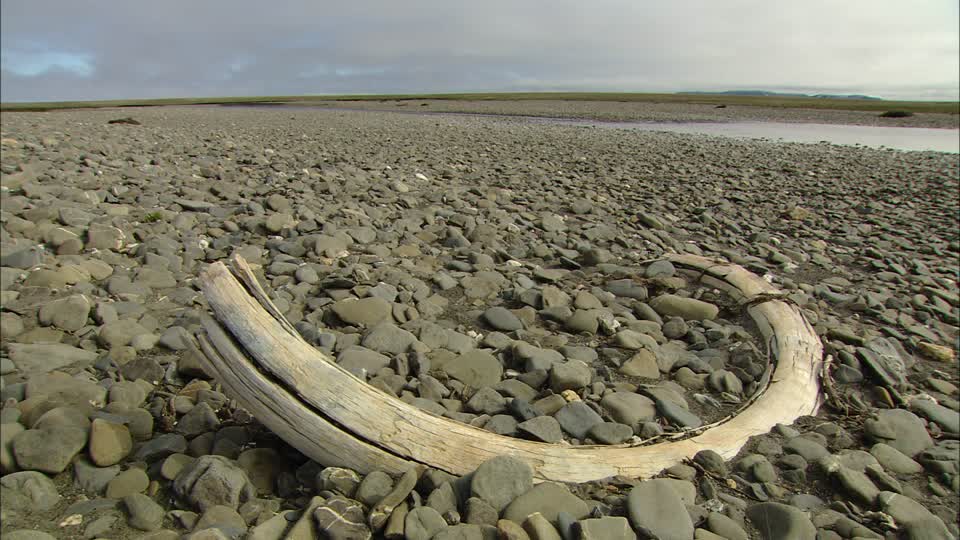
{"x": 790, "y": 102}
{"x": 152, "y": 217}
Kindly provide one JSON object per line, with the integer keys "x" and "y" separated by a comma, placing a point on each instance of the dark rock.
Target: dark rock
{"x": 145, "y": 514}
{"x": 577, "y": 418}
{"x": 339, "y": 518}
{"x": 777, "y": 521}
{"x": 548, "y": 499}
{"x": 653, "y": 507}
{"x": 28, "y": 492}
{"x": 500, "y": 480}
{"x": 211, "y": 481}
{"x": 48, "y": 450}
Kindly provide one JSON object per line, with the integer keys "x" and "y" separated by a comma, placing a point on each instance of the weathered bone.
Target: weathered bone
{"x": 335, "y": 418}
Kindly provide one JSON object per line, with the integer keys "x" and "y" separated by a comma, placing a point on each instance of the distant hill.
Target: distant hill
{"x": 781, "y": 94}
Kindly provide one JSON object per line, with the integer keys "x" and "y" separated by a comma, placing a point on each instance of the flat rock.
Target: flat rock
{"x": 500, "y": 480}
{"x": 68, "y": 314}
{"x": 487, "y": 401}
{"x": 516, "y": 389}
{"x": 656, "y": 507}
{"x": 161, "y": 447}
{"x": 422, "y": 523}
{"x": 271, "y": 529}
{"x": 634, "y": 340}
{"x": 689, "y": 309}
{"x": 213, "y": 480}
{"x": 339, "y": 480}
{"x": 145, "y": 514}
{"x": 223, "y": 518}
{"x": 27, "y": 534}
{"x": 475, "y": 369}
{"x": 200, "y": 419}
{"x": 855, "y": 483}
{"x": 577, "y": 418}
{"x": 339, "y": 518}
{"x": 629, "y": 408}
{"x": 364, "y": 311}
{"x": 626, "y": 288}
{"x": 387, "y": 338}
{"x": 126, "y": 483}
{"x": 480, "y": 512}
{"x": 374, "y": 487}
{"x": 947, "y": 419}
{"x": 605, "y": 528}
{"x": 582, "y": 321}
{"x": 44, "y": 357}
{"x": 92, "y": 479}
{"x": 28, "y": 491}
{"x": 109, "y": 442}
{"x": 539, "y": 528}
{"x": 9, "y": 430}
{"x": 711, "y": 461}
{"x": 920, "y": 523}
{"x": 542, "y": 428}
{"x": 570, "y": 375}
{"x": 362, "y": 361}
{"x": 777, "y": 521}
{"x": 156, "y": 279}
{"x": 909, "y": 434}
{"x": 461, "y": 531}
{"x": 725, "y": 526}
{"x": 508, "y": 530}
{"x": 677, "y": 414}
{"x": 120, "y": 333}
{"x": 263, "y": 466}
{"x": 642, "y": 364}
{"x": 807, "y": 449}
{"x": 610, "y": 433}
{"x": 894, "y": 460}
{"x": 503, "y": 319}
{"x": 48, "y": 450}
{"x": 547, "y": 498}
{"x": 22, "y": 256}
{"x": 885, "y": 361}
{"x": 194, "y": 205}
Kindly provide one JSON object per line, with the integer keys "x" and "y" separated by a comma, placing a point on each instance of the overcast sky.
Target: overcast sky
{"x": 76, "y": 49}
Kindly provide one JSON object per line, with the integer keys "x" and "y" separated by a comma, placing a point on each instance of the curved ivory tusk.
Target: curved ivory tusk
{"x": 333, "y": 417}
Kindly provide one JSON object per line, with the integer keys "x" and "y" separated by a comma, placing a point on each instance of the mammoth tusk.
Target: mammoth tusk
{"x": 336, "y": 419}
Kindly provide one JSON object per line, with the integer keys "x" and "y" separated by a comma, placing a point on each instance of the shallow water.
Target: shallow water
{"x": 896, "y": 138}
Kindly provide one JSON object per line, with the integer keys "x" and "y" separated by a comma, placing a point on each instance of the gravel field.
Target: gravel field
{"x": 651, "y": 112}
{"x": 485, "y": 269}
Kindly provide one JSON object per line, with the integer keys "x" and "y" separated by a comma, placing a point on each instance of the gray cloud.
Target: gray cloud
{"x": 63, "y": 49}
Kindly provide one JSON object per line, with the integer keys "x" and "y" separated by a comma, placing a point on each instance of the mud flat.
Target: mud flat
{"x": 492, "y": 271}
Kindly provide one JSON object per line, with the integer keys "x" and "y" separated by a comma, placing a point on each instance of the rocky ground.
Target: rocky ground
{"x": 638, "y": 111}
{"x": 489, "y": 270}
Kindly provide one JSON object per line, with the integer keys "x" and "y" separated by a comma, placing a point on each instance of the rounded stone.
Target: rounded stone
{"x": 109, "y": 442}
{"x": 48, "y": 450}
{"x": 128, "y": 482}
{"x": 777, "y": 521}
{"x": 145, "y": 514}
{"x": 501, "y": 318}
{"x": 422, "y": 523}
{"x": 689, "y": 309}
{"x": 656, "y": 507}
{"x": 500, "y": 480}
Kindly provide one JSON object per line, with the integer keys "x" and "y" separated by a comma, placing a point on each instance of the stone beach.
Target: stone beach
{"x": 499, "y": 272}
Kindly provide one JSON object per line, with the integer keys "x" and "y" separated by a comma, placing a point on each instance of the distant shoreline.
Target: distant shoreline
{"x": 714, "y": 99}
